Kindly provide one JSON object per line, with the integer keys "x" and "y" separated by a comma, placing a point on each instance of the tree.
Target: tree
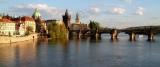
{"x": 29, "y": 30}
{"x": 57, "y": 30}
{"x": 93, "y": 25}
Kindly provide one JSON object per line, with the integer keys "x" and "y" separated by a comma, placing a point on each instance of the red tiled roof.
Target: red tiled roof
{"x": 16, "y": 19}
{"x": 7, "y": 17}
{"x": 5, "y": 20}
{"x": 27, "y": 18}
{"x": 24, "y": 18}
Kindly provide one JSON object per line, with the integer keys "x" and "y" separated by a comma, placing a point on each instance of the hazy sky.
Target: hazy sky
{"x": 110, "y": 13}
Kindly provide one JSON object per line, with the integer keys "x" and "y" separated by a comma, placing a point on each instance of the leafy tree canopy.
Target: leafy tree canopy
{"x": 94, "y": 25}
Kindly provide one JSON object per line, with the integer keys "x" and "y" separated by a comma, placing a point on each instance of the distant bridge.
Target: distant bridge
{"x": 150, "y": 31}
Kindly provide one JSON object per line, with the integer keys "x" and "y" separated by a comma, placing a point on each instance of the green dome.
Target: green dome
{"x": 36, "y": 14}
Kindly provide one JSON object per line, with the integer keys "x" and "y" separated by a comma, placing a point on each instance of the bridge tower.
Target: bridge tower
{"x": 66, "y": 19}
{"x": 114, "y": 34}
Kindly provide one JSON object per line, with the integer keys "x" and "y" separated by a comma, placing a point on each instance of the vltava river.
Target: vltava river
{"x": 82, "y": 53}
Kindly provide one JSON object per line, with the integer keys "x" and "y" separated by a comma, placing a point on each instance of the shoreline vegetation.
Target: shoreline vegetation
{"x": 57, "y": 31}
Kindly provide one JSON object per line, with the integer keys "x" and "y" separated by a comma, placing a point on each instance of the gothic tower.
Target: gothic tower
{"x": 67, "y": 19}
{"x": 77, "y": 19}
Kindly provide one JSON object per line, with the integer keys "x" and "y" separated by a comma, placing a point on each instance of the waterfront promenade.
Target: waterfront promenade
{"x": 7, "y": 39}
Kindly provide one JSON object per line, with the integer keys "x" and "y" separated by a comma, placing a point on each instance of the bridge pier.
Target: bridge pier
{"x": 95, "y": 35}
{"x": 83, "y": 35}
{"x": 150, "y": 36}
{"x": 70, "y": 35}
{"x": 78, "y": 34}
{"x": 114, "y": 34}
{"x": 132, "y": 36}
{"x": 98, "y": 35}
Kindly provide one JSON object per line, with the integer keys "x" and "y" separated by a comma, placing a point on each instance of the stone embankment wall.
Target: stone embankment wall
{"x": 6, "y": 39}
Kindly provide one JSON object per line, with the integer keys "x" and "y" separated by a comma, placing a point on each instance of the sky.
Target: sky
{"x": 109, "y": 13}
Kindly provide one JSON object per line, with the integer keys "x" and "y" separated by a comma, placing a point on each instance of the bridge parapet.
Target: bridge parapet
{"x": 144, "y": 30}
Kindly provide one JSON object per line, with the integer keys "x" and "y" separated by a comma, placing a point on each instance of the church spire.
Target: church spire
{"x": 66, "y": 13}
{"x": 77, "y": 19}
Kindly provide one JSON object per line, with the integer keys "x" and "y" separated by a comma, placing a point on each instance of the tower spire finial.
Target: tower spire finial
{"x": 77, "y": 18}
{"x": 66, "y": 13}
{"x": 66, "y": 19}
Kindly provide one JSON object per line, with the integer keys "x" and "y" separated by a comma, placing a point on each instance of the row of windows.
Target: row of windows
{"x": 13, "y": 24}
{"x": 7, "y": 28}
{"x": 8, "y": 24}
{"x": 12, "y": 28}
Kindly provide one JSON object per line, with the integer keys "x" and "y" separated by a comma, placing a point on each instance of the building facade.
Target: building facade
{"x": 41, "y": 26}
{"x": 10, "y": 26}
{"x": 78, "y": 25}
{"x": 27, "y": 24}
{"x": 7, "y": 27}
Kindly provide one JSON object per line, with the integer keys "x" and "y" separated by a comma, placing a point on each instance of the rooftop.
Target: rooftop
{"x": 18, "y": 19}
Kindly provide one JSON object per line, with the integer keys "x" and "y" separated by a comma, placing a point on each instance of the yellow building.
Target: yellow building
{"x": 17, "y": 26}
{"x": 28, "y": 22}
{"x": 7, "y": 27}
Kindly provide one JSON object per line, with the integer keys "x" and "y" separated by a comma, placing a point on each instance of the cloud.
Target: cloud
{"x": 110, "y": 10}
{"x": 46, "y": 11}
{"x": 117, "y": 10}
{"x": 95, "y": 10}
{"x": 140, "y": 11}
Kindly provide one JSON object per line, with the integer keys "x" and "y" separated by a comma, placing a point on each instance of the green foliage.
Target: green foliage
{"x": 94, "y": 25}
{"x": 57, "y": 30}
{"x": 27, "y": 33}
{"x": 29, "y": 30}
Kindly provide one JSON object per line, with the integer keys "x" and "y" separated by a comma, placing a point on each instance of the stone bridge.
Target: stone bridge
{"x": 150, "y": 31}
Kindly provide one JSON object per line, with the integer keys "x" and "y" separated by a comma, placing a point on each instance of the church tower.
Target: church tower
{"x": 66, "y": 19}
{"x": 36, "y": 15}
{"x": 77, "y": 20}
{"x": 40, "y": 24}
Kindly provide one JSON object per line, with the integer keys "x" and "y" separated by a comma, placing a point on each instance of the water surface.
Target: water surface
{"x": 82, "y": 53}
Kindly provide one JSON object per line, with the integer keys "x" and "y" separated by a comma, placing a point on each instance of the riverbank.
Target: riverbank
{"x": 6, "y": 39}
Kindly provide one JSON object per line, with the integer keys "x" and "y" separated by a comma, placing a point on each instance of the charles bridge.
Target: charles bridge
{"x": 149, "y": 31}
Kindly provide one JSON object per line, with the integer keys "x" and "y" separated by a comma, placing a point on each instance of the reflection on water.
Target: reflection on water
{"x": 81, "y": 53}
{"x": 17, "y": 54}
